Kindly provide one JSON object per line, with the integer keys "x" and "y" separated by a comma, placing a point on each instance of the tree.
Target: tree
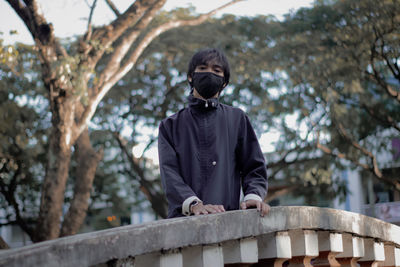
{"x": 23, "y": 135}
{"x": 161, "y": 88}
{"x": 316, "y": 65}
{"x": 341, "y": 58}
{"x": 75, "y": 87}
{"x": 24, "y": 131}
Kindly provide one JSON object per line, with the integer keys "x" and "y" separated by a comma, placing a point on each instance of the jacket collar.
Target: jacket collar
{"x": 208, "y": 104}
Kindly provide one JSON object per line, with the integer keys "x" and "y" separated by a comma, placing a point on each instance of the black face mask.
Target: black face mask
{"x": 207, "y": 84}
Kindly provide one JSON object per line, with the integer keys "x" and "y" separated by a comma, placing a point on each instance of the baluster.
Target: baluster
{"x": 353, "y": 250}
{"x": 374, "y": 253}
{"x": 329, "y": 244}
{"x": 203, "y": 256}
{"x": 165, "y": 259}
{"x": 148, "y": 260}
{"x": 193, "y": 256}
{"x": 213, "y": 256}
{"x": 240, "y": 251}
{"x": 304, "y": 247}
{"x": 392, "y": 256}
{"x": 274, "y": 249}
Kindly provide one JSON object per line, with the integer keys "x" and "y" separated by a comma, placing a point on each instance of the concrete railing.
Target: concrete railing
{"x": 300, "y": 236}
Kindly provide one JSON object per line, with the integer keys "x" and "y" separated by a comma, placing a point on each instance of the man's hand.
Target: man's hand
{"x": 262, "y": 207}
{"x": 206, "y": 209}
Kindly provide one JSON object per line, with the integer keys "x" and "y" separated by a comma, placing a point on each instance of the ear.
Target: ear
{"x": 189, "y": 78}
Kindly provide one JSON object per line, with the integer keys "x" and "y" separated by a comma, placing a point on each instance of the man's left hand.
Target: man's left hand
{"x": 262, "y": 207}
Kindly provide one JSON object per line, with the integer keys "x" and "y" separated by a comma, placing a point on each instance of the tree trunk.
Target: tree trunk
{"x": 58, "y": 160}
{"x": 87, "y": 159}
{"x": 63, "y": 100}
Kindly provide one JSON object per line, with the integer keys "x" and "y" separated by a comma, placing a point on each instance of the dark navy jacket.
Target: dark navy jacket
{"x": 209, "y": 151}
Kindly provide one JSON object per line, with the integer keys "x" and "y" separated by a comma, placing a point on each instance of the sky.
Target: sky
{"x": 69, "y": 18}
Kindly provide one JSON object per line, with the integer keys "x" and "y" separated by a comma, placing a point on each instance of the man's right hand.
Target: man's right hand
{"x": 206, "y": 209}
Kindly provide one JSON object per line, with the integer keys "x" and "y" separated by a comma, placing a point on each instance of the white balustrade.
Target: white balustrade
{"x": 304, "y": 247}
{"x": 374, "y": 253}
{"x": 329, "y": 245}
{"x": 213, "y": 256}
{"x": 274, "y": 248}
{"x": 287, "y": 236}
{"x": 392, "y": 256}
{"x": 240, "y": 251}
{"x": 353, "y": 250}
{"x": 167, "y": 259}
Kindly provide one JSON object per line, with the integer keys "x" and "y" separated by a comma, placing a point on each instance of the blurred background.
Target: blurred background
{"x": 319, "y": 80}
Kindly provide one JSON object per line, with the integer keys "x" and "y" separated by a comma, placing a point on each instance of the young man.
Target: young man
{"x": 209, "y": 150}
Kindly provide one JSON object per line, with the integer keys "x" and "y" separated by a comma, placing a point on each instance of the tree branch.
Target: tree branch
{"x": 387, "y": 119}
{"x": 113, "y": 8}
{"x": 380, "y": 36}
{"x": 152, "y": 35}
{"x": 376, "y": 76}
{"x": 107, "y": 34}
{"x": 91, "y": 108}
{"x": 89, "y": 26}
{"x": 25, "y": 13}
{"x": 329, "y": 151}
{"x": 42, "y": 33}
{"x": 120, "y": 51}
{"x": 272, "y": 194}
{"x": 9, "y": 194}
{"x": 389, "y": 90}
{"x": 156, "y": 199}
{"x": 87, "y": 159}
{"x": 356, "y": 145}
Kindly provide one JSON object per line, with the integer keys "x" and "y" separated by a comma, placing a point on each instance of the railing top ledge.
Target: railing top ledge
{"x": 122, "y": 242}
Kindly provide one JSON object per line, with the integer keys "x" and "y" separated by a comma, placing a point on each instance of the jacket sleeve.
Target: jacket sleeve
{"x": 251, "y": 161}
{"x": 176, "y": 190}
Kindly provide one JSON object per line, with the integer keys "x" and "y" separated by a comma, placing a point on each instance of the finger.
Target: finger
{"x": 243, "y": 205}
{"x": 204, "y": 211}
{"x": 220, "y": 208}
{"x": 215, "y": 208}
{"x": 258, "y": 205}
{"x": 211, "y": 209}
{"x": 197, "y": 209}
{"x": 250, "y": 203}
{"x": 265, "y": 209}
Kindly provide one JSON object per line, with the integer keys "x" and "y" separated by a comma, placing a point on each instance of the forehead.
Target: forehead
{"x": 211, "y": 62}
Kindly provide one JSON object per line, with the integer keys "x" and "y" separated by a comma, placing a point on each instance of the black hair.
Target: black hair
{"x": 204, "y": 56}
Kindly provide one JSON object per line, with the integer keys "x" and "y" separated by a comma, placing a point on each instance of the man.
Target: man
{"x": 209, "y": 150}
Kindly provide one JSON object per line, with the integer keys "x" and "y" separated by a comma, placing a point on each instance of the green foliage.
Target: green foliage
{"x": 23, "y": 131}
{"x": 315, "y": 65}
{"x": 328, "y": 53}
{"x": 325, "y": 66}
